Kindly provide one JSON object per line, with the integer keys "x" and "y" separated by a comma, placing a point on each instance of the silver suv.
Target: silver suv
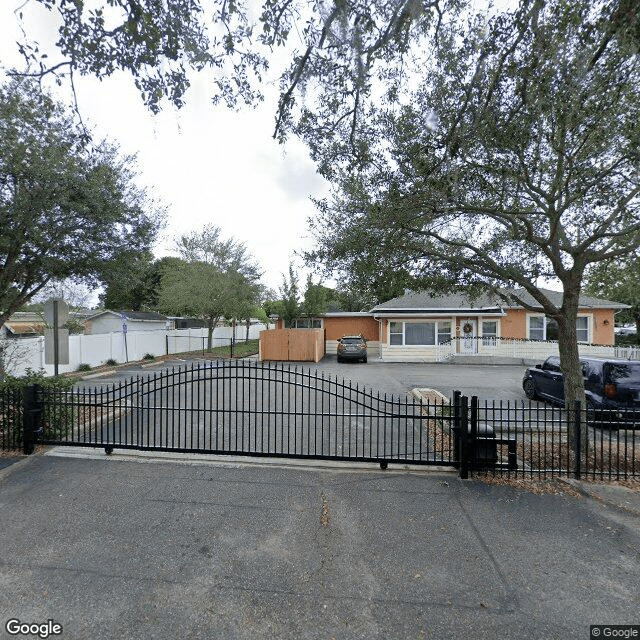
{"x": 352, "y": 348}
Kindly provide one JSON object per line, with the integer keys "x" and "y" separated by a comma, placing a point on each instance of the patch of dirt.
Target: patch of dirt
{"x": 553, "y": 486}
{"x": 324, "y": 514}
{"x": 545, "y": 452}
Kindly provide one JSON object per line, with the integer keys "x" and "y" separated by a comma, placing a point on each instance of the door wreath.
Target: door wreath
{"x": 468, "y": 327}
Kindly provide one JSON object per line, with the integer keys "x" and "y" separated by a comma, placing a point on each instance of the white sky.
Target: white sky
{"x": 206, "y": 164}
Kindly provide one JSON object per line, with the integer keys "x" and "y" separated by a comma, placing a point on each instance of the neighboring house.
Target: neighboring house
{"x": 23, "y": 324}
{"x": 111, "y": 321}
{"x": 421, "y": 327}
{"x": 180, "y": 322}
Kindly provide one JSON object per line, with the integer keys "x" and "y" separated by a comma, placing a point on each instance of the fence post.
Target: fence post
{"x": 231, "y": 356}
{"x": 31, "y": 411}
{"x": 464, "y": 437}
{"x": 474, "y": 417}
{"x": 577, "y": 425}
{"x": 455, "y": 428}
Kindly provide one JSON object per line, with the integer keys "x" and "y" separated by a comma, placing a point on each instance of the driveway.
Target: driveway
{"x": 112, "y": 548}
{"x": 491, "y": 382}
{"x": 499, "y": 382}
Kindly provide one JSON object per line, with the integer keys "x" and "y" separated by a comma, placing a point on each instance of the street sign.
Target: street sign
{"x": 50, "y": 311}
{"x": 63, "y": 346}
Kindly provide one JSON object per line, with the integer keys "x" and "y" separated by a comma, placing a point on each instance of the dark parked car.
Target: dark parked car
{"x": 611, "y": 386}
{"x": 352, "y": 348}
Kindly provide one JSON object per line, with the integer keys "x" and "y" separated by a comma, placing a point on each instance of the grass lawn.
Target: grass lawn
{"x": 240, "y": 350}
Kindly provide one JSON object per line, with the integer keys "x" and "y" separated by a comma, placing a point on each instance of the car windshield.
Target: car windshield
{"x": 351, "y": 340}
{"x": 623, "y": 372}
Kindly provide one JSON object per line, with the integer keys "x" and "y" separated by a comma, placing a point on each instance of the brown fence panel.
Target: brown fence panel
{"x": 299, "y": 345}
{"x": 274, "y": 345}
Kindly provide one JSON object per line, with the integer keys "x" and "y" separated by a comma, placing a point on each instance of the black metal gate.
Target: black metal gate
{"x": 246, "y": 408}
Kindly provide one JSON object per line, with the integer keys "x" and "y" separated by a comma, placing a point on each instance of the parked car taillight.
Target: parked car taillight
{"x": 610, "y": 390}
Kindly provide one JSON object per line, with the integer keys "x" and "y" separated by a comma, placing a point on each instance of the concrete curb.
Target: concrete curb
{"x": 615, "y": 496}
{"x": 203, "y": 459}
{"x": 21, "y": 462}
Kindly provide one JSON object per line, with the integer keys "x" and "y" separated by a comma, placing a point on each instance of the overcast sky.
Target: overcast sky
{"x": 206, "y": 164}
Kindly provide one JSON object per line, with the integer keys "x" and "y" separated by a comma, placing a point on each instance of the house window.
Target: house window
{"x": 543, "y": 328}
{"x": 395, "y": 332}
{"x": 537, "y": 328}
{"x": 490, "y": 328}
{"x": 489, "y": 333}
{"x": 419, "y": 333}
{"x": 306, "y": 323}
{"x": 582, "y": 328}
{"x": 444, "y": 331}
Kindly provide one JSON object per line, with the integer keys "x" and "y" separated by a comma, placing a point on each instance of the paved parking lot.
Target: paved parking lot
{"x": 491, "y": 382}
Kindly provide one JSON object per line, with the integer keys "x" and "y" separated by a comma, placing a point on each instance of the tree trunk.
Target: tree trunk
{"x": 246, "y": 337}
{"x": 210, "y": 326}
{"x": 571, "y": 369}
{"x": 636, "y": 317}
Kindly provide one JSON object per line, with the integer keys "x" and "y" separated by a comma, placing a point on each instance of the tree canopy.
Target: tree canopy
{"x": 323, "y": 54}
{"x": 327, "y": 57}
{"x": 67, "y": 205}
{"x": 214, "y": 278}
{"x": 514, "y": 161}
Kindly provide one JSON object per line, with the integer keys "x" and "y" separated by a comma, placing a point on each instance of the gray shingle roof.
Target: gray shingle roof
{"x": 425, "y": 301}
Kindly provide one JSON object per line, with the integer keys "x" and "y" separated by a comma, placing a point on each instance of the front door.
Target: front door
{"x": 469, "y": 331}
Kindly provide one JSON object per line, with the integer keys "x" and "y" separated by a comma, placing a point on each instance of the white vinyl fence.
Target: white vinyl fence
{"x": 95, "y": 350}
{"x": 526, "y": 349}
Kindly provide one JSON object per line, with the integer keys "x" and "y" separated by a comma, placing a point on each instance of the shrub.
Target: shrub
{"x": 148, "y": 356}
{"x": 57, "y": 417}
{"x": 111, "y": 362}
{"x": 84, "y": 367}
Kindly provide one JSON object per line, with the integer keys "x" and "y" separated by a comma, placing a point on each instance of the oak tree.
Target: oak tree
{"x": 67, "y": 205}
{"x": 513, "y": 162}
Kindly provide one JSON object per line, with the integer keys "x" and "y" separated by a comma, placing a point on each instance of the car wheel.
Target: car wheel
{"x": 364, "y": 359}
{"x": 529, "y": 389}
{"x": 339, "y": 359}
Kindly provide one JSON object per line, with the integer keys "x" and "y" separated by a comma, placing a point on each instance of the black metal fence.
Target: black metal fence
{"x": 11, "y": 418}
{"x": 246, "y": 408}
{"x": 539, "y": 440}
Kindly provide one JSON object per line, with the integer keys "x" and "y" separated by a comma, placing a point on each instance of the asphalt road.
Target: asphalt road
{"x": 119, "y": 549}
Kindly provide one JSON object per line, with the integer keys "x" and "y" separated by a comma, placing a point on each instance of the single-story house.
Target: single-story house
{"x": 420, "y": 326}
{"x": 112, "y": 321}
{"x": 23, "y": 324}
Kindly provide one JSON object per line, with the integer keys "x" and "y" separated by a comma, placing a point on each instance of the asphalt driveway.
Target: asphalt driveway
{"x": 499, "y": 382}
{"x": 491, "y": 382}
{"x": 118, "y": 549}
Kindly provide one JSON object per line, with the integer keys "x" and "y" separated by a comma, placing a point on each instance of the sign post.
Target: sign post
{"x": 124, "y": 335}
{"x": 56, "y": 340}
